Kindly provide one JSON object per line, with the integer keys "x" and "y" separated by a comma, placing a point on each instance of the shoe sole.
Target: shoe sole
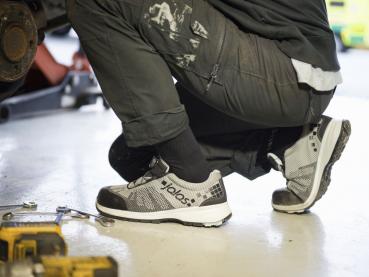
{"x": 321, "y": 186}
{"x": 207, "y": 216}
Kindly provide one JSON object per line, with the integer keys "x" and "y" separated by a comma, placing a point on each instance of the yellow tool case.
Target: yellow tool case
{"x": 20, "y": 240}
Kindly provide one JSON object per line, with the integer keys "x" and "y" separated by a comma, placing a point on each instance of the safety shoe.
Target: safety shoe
{"x": 160, "y": 196}
{"x": 307, "y": 164}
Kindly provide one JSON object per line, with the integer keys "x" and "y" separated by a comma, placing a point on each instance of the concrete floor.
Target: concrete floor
{"x": 61, "y": 159}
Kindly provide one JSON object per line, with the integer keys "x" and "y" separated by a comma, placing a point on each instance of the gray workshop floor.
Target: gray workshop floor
{"x": 61, "y": 159}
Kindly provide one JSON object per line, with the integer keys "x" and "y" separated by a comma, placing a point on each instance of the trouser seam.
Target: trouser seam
{"x": 140, "y": 28}
{"x": 129, "y": 91}
{"x": 255, "y": 75}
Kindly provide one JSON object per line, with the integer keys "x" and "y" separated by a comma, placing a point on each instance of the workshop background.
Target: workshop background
{"x": 54, "y": 141}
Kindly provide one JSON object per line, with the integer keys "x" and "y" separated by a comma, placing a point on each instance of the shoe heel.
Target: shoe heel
{"x": 336, "y": 155}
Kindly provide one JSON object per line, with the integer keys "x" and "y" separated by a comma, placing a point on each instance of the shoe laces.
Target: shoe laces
{"x": 158, "y": 168}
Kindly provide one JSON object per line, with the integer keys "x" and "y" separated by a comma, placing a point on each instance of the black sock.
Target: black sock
{"x": 276, "y": 141}
{"x": 130, "y": 163}
{"x": 284, "y": 138}
{"x": 184, "y": 156}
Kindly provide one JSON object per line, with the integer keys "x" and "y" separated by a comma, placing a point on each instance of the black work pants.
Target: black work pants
{"x": 233, "y": 147}
{"x": 136, "y": 46}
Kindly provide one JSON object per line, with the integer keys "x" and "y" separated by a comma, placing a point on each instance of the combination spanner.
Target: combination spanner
{"x": 31, "y": 205}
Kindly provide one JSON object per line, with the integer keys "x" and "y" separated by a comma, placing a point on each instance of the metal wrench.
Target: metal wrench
{"x": 103, "y": 220}
{"x": 11, "y": 215}
{"x": 26, "y": 205}
{"x": 62, "y": 211}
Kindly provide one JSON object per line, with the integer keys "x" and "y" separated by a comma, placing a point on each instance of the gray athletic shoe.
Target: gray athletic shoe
{"x": 160, "y": 196}
{"x": 307, "y": 164}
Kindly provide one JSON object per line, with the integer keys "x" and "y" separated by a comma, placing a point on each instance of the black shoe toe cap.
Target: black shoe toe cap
{"x": 111, "y": 200}
{"x": 285, "y": 197}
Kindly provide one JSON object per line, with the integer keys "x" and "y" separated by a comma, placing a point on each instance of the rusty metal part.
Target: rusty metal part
{"x": 18, "y": 40}
{"x": 15, "y": 35}
{"x": 22, "y": 27}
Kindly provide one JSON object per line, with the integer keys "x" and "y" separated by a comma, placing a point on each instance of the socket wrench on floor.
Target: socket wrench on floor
{"x": 31, "y": 205}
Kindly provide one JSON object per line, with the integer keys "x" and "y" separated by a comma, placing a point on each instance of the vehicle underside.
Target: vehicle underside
{"x": 23, "y": 24}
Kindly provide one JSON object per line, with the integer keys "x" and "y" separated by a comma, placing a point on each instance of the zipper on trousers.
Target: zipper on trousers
{"x": 213, "y": 76}
{"x": 214, "y": 73}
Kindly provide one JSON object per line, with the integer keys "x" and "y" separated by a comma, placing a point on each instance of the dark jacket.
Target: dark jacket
{"x": 299, "y": 27}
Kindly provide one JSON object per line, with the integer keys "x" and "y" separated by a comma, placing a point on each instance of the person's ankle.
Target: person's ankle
{"x": 192, "y": 174}
{"x": 183, "y": 155}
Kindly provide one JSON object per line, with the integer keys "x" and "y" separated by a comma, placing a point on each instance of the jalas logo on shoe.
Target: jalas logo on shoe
{"x": 177, "y": 193}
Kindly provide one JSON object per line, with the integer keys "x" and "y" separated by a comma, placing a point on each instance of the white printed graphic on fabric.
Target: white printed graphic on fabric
{"x": 173, "y": 15}
{"x": 195, "y": 43}
{"x": 200, "y": 30}
{"x": 185, "y": 60}
{"x": 161, "y": 14}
